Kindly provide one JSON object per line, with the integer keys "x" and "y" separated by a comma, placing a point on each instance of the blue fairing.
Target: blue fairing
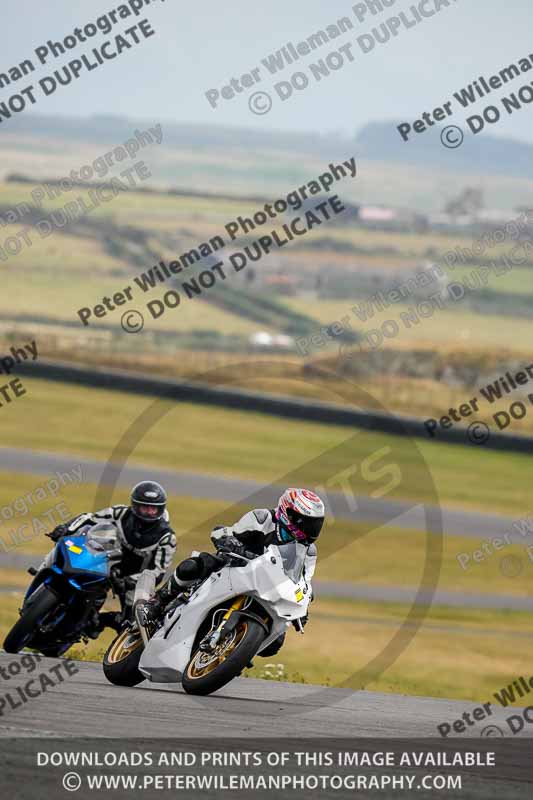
{"x": 78, "y": 574}
{"x": 86, "y": 561}
{"x": 90, "y": 567}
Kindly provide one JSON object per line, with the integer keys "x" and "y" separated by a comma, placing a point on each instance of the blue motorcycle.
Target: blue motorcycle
{"x": 62, "y": 603}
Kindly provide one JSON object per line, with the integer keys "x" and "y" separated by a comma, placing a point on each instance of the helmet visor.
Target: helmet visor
{"x": 148, "y": 511}
{"x": 304, "y": 529}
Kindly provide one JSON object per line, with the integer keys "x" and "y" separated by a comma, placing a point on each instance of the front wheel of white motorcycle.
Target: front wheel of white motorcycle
{"x": 208, "y": 671}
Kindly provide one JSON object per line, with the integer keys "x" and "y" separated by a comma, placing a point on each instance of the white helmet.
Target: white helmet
{"x": 300, "y": 515}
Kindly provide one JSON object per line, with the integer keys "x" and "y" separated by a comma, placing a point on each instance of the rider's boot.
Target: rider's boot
{"x": 110, "y": 619}
{"x": 173, "y": 590}
{"x": 92, "y": 627}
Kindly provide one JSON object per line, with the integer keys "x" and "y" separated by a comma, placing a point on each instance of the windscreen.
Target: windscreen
{"x": 293, "y": 558}
{"x": 102, "y": 538}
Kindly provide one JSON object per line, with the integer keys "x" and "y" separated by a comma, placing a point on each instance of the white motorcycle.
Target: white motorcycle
{"x": 211, "y": 633}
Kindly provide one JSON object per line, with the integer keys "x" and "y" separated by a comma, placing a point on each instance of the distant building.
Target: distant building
{"x": 387, "y": 218}
{"x": 262, "y": 340}
{"x": 282, "y": 284}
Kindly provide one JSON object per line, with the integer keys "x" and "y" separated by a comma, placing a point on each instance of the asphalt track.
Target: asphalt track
{"x": 87, "y": 705}
{"x": 85, "y": 714}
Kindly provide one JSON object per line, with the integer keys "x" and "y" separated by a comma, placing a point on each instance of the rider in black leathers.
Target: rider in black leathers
{"x": 145, "y": 537}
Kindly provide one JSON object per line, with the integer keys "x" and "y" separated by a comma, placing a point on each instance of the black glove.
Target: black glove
{"x": 229, "y": 544}
{"x": 121, "y": 583}
{"x": 58, "y": 533}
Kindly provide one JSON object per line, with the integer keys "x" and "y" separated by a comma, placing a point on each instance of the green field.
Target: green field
{"x": 460, "y": 328}
{"x": 266, "y": 168}
{"x": 457, "y": 652}
{"x": 89, "y": 422}
{"x": 101, "y": 253}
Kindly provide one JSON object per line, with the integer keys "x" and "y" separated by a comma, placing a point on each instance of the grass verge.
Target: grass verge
{"x": 458, "y": 654}
{"x": 69, "y": 419}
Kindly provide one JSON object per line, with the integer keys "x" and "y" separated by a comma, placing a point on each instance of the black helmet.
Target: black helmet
{"x": 148, "y": 501}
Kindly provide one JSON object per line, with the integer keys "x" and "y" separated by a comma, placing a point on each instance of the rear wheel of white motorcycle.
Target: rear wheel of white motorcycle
{"x": 208, "y": 671}
{"x": 121, "y": 661}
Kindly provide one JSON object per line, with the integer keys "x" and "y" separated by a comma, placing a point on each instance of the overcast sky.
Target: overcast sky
{"x": 200, "y": 46}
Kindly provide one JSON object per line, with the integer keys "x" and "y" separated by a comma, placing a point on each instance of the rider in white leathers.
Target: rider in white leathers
{"x": 299, "y": 516}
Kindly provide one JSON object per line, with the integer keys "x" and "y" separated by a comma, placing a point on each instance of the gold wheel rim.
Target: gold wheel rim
{"x": 203, "y": 664}
{"x": 124, "y": 645}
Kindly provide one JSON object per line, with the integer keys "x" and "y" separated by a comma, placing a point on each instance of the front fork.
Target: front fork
{"x": 209, "y": 643}
{"x": 143, "y": 624}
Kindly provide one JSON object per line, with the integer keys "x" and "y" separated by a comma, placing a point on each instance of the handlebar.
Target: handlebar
{"x": 229, "y": 555}
{"x": 241, "y": 555}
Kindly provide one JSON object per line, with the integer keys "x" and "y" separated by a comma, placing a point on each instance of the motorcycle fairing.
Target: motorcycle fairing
{"x": 169, "y": 651}
{"x": 80, "y": 558}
